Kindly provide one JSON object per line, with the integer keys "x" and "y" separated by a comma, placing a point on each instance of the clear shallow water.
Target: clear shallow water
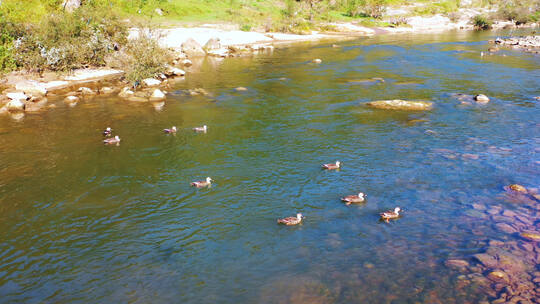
{"x": 85, "y": 223}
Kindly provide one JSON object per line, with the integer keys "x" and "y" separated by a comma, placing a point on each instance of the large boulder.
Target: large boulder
{"x": 212, "y": 44}
{"x": 398, "y": 104}
{"x": 192, "y": 48}
{"x": 71, "y": 5}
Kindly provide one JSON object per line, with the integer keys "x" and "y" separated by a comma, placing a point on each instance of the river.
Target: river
{"x": 81, "y": 222}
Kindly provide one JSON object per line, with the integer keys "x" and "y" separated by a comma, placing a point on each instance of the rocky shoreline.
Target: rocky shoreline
{"x": 506, "y": 271}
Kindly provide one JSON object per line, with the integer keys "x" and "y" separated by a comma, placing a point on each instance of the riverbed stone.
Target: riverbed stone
{"x": 398, "y": 104}
{"x": 481, "y": 98}
{"x": 192, "y": 48}
{"x": 317, "y": 60}
{"x": 506, "y": 228}
{"x": 456, "y": 263}
{"x": 486, "y": 260}
{"x": 516, "y": 188}
{"x": 240, "y": 89}
{"x": 187, "y": 63}
{"x": 498, "y": 276}
{"x": 531, "y": 236}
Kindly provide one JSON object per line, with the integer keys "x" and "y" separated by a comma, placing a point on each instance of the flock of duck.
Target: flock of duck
{"x": 289, "y": 221}
{"x": 349, "y": 199}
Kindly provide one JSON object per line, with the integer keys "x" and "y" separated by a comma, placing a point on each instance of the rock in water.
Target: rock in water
{"x": 212, "y": 44}
{"x": 481, "y": 98}
{"x": 516, "y": 188}
{"x": 458, "y": 264}
{"x": 15, "y": 105}
{"x": 398, "y": 104}
{"x": 172, "y": 71}
{"x": 71, "y": 5}
{"x": 192, "y": 48}
{"x": 317, "y": 60}
{"x": 157, "y": 95}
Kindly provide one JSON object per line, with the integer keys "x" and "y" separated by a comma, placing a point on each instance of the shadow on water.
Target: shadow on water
{"x": 86, "y": 223}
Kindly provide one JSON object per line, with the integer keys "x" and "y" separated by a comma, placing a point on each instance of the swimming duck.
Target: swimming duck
{"x": 110, "y": 141}
{"x": 200, "y": 129}
{"x": 107, "y": 132}
{"x": 390, "y": 214}
{"x": 349, "y": 199}
{"x": 171, "y": 130}
{"x": 204, "y": 183}
{"x": 337, "y": 165}
{"x": 291, "y": 220}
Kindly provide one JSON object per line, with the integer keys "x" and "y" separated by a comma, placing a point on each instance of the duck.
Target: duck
{"x": 390, "y": 214}
{"x": 107, "y": 132}
{"x": 337, "y": 165}
{"x": 171, "y": 130}
{"x": 200, "y": 129}
{"x": 204, "y": 183}
{"x": 111, "y": 141}
{"x": 291, "y": 220}
{"x": 349, "y": 199}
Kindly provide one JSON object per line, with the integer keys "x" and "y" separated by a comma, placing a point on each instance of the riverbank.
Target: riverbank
{"x": 189, "y": 45}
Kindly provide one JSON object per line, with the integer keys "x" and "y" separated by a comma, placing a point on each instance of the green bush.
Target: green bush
{"x": 63, "y": 41}
{"x": 482, "y": 22}
{"x": 144, "y": 58}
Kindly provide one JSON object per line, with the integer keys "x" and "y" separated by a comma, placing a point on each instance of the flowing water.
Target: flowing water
{"x": 81, "y": 222}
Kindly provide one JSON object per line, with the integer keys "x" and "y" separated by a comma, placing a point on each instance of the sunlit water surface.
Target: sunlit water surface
{"x": 85, "y": 223}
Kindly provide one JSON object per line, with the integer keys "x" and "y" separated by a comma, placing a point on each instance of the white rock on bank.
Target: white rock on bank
{"x": 173, "y": 71}
{"x": 151, "y": 82}
{"x": 212, "y": 44}
{"x": 31, "y": 87}
{"x": 187, "y": 63}
{"x": 86, "y": 91}
{"x": 17, "y": 96}
{"x": 223, "y": 52}
{"x": 106, "y": 90}
{"x": 126, "y": 92}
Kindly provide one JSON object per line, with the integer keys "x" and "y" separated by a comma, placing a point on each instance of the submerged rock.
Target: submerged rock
{"x": 71, "y": 99}
{"x": 106, "y": 90}
{"x": 486, "y": 260}
{"x": 531, "y": 236}
{"x": 398, "y": 104}
{"x": 498, "y": 276}
{"x": 458, "y": 264}
{"x": 516, "y": 188}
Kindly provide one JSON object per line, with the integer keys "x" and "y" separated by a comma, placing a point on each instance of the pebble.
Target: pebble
{"x": 317, "y": 60}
